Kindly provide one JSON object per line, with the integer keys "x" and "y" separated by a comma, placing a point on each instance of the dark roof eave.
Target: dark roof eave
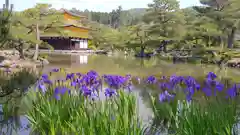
{"x": 68, "y": 25}
{"x": 49, "y": 36}
{"x": 74, "y": 14}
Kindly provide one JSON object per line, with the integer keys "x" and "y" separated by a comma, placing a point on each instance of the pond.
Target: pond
{"x": 121, "y": 66}
{"x": 138, "y": 67}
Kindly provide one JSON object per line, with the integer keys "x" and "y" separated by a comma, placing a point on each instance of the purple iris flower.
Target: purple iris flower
{"x": 233, "y": 91}
{"x": 151, "y": 80}
{"x": 58, "y": 91}
{"x": 219, "y": 86}
{"x": 211, "y": 75}
{"x": 47, "y": 81}
{"x": 40, "y": 86}
{"x": 61, "y": 90}
{"x": 197, "y": 86}
{"x": 110, "y": 92}
{"x": 163, "y": 86}
{"x": 44, "y": 76}
{"x": 115, "y": 81}
{"x": 207, "y": 91}
{"x": 55, "y": 70}
{"x": 165, "y": 96}
{"x": 86, "y": 91}
{"x": 190, "y": 93}
{"x": 70, "y": 76}
{"x": 73, "y": 83}
{"x": 79, "y": 74}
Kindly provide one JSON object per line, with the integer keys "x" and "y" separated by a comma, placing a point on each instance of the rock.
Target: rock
{"x": 234, "y": 61}
{"x": 44, "y": 61}
{"x": 6, "y": 63}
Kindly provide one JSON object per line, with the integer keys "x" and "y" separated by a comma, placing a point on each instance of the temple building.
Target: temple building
{"x": 73, "y": 35}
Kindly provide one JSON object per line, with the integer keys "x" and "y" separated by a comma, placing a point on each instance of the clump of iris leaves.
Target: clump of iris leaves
{"x": 90, "y": 104}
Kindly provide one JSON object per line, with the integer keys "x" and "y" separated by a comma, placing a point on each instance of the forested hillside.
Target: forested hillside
{"x": 116, "y": 18}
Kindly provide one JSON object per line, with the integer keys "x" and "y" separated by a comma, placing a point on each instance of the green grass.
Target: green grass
{"x": 204, "y": 116}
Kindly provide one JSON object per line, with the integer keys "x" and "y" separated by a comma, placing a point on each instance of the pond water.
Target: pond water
{"x": 138, "y": 67}
{"x": 120, "y": 65}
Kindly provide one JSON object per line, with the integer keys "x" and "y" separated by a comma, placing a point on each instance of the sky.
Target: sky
{"x": 93, "y": 5}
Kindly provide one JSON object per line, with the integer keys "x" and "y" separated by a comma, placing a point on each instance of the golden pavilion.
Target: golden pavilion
{"x": 75, "y": 37}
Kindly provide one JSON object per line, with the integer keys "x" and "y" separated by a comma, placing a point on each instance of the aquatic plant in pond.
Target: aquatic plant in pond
{"x": 185, "y": 107}
{"x": 74, "y": 105}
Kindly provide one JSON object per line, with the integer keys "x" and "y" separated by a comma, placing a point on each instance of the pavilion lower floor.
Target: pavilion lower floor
{"x": 61, "y": 43}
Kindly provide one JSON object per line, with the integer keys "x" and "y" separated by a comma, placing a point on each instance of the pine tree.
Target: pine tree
{"x": 39, "y": 19}
{"x": 5, "y": 15}
{"x": 224, "y": 13}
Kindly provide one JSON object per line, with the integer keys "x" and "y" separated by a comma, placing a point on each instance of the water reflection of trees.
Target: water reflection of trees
{"x": 11, "y": 120}
{"x": 13, "y": 88}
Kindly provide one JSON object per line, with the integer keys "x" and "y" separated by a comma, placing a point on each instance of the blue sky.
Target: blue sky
{"x": 95, "y": 5}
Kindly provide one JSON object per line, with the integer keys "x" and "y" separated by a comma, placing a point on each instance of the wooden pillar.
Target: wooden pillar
{"x": 79, "y": 47}
{"x": 69, "y": 43}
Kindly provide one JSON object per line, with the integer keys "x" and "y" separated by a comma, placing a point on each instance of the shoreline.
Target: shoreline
{"x": 233, "y": 63}
{"x": 9, "y": 59}
{"x": 70, "y": 51}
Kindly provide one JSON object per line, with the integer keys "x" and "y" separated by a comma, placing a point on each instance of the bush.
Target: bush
{"x": 19, "y": 81}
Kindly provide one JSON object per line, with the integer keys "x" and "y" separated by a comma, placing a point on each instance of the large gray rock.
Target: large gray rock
{"x": 6, "y": 63}
{"x": 44, "y": 61}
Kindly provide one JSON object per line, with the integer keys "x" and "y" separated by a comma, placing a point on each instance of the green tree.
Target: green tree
{"x": 225, "y": 14}
{"x": 5, "y": 15}
{"x": 166, "y": 20}
{"x": 139, "y": 37}
{"x": 199, "y": 29}
{"x": 40, "y": 19}
{"x": 115, "y": 17}
{"x": 97, "y": 34}
{"x": 20, "y": 38}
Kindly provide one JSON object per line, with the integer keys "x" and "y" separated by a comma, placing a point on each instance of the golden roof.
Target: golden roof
{"x": 73, "y": 14}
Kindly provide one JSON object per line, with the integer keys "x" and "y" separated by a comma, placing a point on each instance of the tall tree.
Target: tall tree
{"x": 224, "y": 13}
{"x": 20, "y": 37}
{"x": 118, "y": 15}
{"x": 115, "y": 17}
{"x": 40, "y": 19}
{"x": 166, "y": 20}
{"x": 199, "y": 29}
{"x": 5, "y": 15}
{"x": 139, "y": 37}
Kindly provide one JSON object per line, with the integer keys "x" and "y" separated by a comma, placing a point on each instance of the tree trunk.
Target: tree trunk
{"x": 35, "y": 57}
{"x": 19, "y": 48}
{"x": 196, "y": 41}
{"x": 231, "y": 38}
{"x": 207, "y": 41}
{"x": 164, "y": 46}
{"x": 21, "y": 53}
{"x": 142, "y": 52}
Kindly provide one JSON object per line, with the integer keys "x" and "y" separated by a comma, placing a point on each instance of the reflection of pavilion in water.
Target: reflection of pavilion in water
{"x": 79, "y": 59}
